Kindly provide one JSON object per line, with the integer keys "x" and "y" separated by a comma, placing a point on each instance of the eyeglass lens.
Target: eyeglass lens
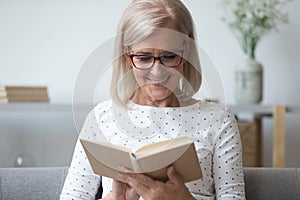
{"x": 147, "y": 61}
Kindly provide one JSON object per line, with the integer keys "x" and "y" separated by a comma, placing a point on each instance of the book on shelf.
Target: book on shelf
{"x": 24, "y": 94}
{"x": 26, "y": 89}
{"x": 152, "y": 159}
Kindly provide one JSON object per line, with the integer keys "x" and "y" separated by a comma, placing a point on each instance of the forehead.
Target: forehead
{"x": 163, "y": 39}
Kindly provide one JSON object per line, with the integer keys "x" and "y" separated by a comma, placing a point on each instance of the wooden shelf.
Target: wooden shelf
{"x": 262, "y": 110}
{"x": 41, "y": 107}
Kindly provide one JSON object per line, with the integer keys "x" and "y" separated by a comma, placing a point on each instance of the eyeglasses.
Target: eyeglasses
{"x": 168, "y": 59}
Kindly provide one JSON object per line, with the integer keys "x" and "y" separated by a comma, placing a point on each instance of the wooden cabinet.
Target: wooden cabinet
{"x": 251, "y": 143}
{"x": 278, "y": 114}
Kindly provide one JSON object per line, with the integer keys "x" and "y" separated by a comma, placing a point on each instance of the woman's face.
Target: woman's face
{"x": 157, "y": 83}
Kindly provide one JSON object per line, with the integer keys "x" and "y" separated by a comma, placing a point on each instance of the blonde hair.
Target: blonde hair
{"x": 138, "y": 22}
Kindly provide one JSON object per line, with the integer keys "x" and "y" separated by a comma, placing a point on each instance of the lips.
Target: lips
{"x": 157, "y": 82}
{"x": 160, "y": 81}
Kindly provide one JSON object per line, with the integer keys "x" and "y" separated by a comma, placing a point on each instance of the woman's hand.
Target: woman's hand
{"x": 121, "y": 191}
{"x": 151, "y": 189}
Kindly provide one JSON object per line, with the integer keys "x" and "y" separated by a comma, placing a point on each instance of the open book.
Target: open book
{"x": 152, "y": 160}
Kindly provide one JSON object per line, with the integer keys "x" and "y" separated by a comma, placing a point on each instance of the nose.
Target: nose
{"x": 157, "y": 67}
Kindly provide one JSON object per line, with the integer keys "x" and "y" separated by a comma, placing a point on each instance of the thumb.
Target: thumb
{"x": 172, "y": 175}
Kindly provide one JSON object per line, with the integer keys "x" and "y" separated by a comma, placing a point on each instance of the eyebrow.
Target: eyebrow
{"x": 143, "y": 52}
{"x": 150, "y": 53}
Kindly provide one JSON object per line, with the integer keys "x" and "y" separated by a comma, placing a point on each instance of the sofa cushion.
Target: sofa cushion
{"x": 47, "y": 183}
{"x": 31, "y": 183}
{"x": 272, "y": 183}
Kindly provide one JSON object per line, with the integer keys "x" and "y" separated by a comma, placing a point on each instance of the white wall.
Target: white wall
{"x": 46, "y": 43}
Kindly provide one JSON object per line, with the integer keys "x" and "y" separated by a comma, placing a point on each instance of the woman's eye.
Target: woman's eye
{"x": 143, "y": 58}
{"x": 169, "y": 56}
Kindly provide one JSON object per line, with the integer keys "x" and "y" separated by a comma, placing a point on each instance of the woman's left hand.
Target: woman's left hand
{"x": 151, "y": 189}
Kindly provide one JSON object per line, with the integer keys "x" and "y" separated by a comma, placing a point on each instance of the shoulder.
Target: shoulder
{"x": 99, "y": 110}
{"x": 217, "y": 113}
{"x": 103, "y": 105}
{"x": 94, "y": 118}
{"x": 212, "y": 107}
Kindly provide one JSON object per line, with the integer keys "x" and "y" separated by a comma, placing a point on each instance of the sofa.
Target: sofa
{"x": 46, "y": 183}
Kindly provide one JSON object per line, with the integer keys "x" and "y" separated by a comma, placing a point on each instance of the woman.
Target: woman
{"x": 155, "y": 77}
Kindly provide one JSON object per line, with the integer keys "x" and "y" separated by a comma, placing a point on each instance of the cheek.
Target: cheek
{"x": 175, "y": 78}
{"x": 139, "y": 76}
{"x": 178, "y": 72}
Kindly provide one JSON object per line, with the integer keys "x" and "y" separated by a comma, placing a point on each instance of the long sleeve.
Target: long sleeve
{"x": 227, "y": 160}
{"x": 81, "y": 182}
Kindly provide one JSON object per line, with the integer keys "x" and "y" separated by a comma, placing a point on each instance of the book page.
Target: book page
{"x": 160, "y": 159}
{"x": 162, "y": 146}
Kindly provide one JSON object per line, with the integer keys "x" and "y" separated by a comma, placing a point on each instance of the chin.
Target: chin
{"x": 160, "y": 95}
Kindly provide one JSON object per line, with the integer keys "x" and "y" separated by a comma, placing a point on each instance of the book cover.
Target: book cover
{"x": 152, "y": 159}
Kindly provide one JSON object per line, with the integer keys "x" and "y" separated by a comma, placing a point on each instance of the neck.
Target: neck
{"x": 170, "y": 101}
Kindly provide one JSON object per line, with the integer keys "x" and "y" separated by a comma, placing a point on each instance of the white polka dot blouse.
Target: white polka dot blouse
{"x": 212, "y": 127}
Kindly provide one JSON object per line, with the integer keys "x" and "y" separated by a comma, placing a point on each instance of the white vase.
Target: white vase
{"x": 248, "y": 82}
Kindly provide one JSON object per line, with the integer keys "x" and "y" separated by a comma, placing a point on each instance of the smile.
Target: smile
{"x": 161, "y": 82}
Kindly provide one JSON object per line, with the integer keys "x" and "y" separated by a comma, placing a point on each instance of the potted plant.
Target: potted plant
{"x": 250, "y": 20}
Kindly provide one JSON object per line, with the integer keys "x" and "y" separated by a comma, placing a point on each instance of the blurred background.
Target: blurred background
{"x": 47, "y": 42}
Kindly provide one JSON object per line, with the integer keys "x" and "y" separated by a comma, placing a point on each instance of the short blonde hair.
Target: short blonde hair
{"x": 138, "y": 22}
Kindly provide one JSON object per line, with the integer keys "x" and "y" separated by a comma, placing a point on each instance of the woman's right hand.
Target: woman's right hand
{"x": 121, "y": 191}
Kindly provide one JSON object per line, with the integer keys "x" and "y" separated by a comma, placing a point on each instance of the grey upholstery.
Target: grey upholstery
{"x": 272, "y": 183}
{"x": 31, "y": 183}
{"x": 46, "y": 183}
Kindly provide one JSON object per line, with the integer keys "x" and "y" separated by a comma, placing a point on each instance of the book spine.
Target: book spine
{"x": 135, "y": 164}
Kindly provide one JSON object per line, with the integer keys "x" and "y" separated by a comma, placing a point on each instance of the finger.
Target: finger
{"x": 144, "y": 179}
{"x": 137, "y": 182}
{"x": 116, "y": 184}
{"x": 141, "y": 179}
{"x": 173, "y": 176}
{"x": 117, "y": 187}
{"x": 124, "y": 169}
